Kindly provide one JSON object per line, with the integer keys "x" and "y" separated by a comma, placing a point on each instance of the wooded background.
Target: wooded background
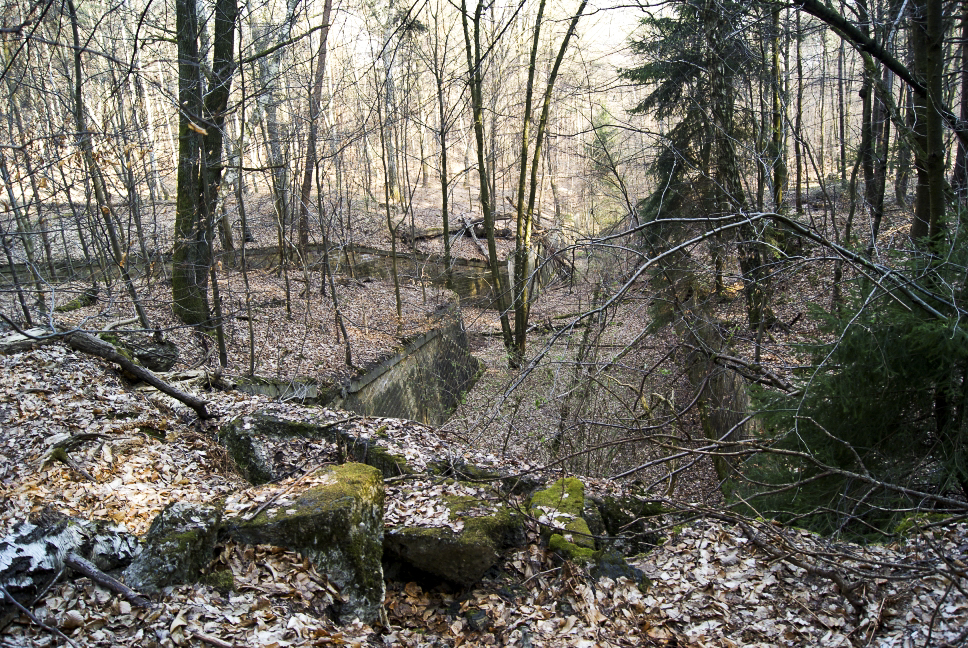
{"x": 779, "y": 186}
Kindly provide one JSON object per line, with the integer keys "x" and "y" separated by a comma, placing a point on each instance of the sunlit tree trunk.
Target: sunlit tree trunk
{"x": 315, "y": 103}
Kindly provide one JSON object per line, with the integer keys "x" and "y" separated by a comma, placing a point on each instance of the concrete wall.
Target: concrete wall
{"x": 423, "y": 382}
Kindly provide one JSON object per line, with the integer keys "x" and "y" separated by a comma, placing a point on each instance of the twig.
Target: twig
{"x": 34, "y": 619}
{"x": 272, "y": 499}
{"x": 214, "y": 641}
{"x": 116, "y": 324}
{"x": 845, "y": 588}
{"x": 90, "y": 570}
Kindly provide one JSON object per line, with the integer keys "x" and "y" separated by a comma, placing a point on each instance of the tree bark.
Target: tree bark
{"x": 476, "y": 83}
{"x": 315, "y": 101}
{"x": 959, "y": 178}
{"x": 190, "y": 258}
{"x": 201, "y": 124}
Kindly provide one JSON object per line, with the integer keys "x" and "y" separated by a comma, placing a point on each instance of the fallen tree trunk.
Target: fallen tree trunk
{"x": 470, "y": 227}
{"x": 87, "y": 343}
{"x": 35, "y": 554}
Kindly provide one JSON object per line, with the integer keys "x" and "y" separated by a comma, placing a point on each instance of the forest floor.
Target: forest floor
{"x": 712, "y": 583}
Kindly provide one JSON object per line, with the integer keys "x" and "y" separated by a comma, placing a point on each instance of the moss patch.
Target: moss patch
{"x": 177, "y": 546}
{"x": 912, "y": 522}
{"x": 570, "y": 550}
{"x": 223, "y": 580}
{"x": 565, "y": 496}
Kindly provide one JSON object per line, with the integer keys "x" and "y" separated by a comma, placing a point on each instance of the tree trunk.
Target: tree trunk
{"x": 476, "y": 82}
{"x": 200, "y": 133}
{"x": 190, "y": 258}
{"x": 927, "y": 36}
{"x": 959, "y": 178}
{"x": 522, "y": 252}
{"x": 315, "y": 101}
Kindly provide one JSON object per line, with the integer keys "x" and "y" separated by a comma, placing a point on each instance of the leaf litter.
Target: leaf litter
{"x": 710, "y": 583}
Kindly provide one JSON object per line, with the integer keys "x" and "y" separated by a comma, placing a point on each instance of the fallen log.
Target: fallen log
{"x": 87, "y": 343}
{"x": 36, "y": 553}
{"x": 468, "y": 225}
{"x": 84, "y": 566}
{"x": 16, "y": 341}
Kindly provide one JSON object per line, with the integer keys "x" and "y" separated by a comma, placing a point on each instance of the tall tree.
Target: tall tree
{"x": 201, "y": 118}
{"x": 521, "y": 281}
{"x": 473, "y": 47}
{"x": 927, "y": 44}
{"x": 959, "y": 179}
{"x": 315, "y": 103}
{"x": 694, "y": 64}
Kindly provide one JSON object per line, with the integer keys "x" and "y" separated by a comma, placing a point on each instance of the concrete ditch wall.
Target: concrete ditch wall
{"x": 424, "y": 381}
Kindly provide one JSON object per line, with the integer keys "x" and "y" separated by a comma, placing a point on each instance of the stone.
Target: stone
{"x": 570, "y": 523}
{"x": 463, "y": 556}
{"x": 253, "y": 443}
{"x": 628, "y": 522}
{"x": 560, "y": 509}
{"x": 177, "y": 546}
{"x": 334, "y": 517}
{"x": 256, "y": 443}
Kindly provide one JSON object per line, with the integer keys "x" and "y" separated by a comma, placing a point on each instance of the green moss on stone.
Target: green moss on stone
{"x": 338, "y": 525}
{"x": 373, "y": 455}
{"x": 565, "y": 496}
{"x": 494, "y": 527}
{"x": 223, "y": 580}
{"x": 114, "y": 341}
{"x": 570, "y": 550}
{"x": 913, "y": 522}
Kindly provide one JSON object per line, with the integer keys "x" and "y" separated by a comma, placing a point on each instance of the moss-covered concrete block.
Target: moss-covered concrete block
{"x": 176, "y": 547}
{"x": 254, "y": 441}
{"x": 560, "y": 509}
{"x": 570, "y": 520}
{"x": 334, "y": 517}
{"x": 462, "y": 556}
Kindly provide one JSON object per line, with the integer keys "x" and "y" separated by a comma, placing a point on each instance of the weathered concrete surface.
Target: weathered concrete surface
{"x": 178, "y": 545}
{"x": 334, "y": 517}
{"x": 255, "y": 441}
{"x": 459, "y": 556}
{"x": 424, "y": 381}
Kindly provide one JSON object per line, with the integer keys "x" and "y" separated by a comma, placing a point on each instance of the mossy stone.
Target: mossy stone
{"x": 571, "y": 551}
{"x": 223, "y": 580}
{"x": 566, "y": 495}
{"x": 176, "y": 547}
{"x": 461, "y": 557}
{"x": 336, "y": 522}
{"x": 245, "y": 439}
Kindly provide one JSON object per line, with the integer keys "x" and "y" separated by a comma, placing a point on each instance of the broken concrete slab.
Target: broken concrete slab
{"x": 176, "y": 547}
{"x": 333, "y": 516}
{"x": 459, "y": 538}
